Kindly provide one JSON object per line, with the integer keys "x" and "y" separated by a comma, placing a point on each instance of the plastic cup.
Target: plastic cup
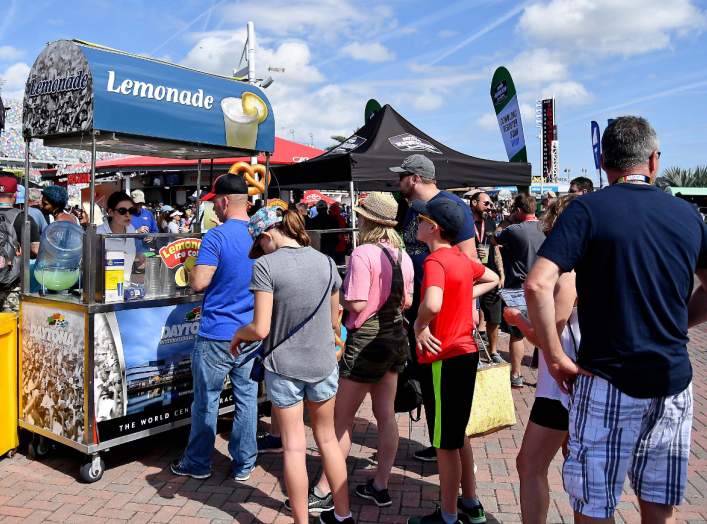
{"x": 241, "y": 128}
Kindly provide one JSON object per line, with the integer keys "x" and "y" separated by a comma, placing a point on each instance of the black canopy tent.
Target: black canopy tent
{"x": 385, "y": 141}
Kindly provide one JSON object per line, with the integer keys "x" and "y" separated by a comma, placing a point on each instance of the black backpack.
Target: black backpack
{"x": 10, "y": 261}
{"x": 408, "y": 397}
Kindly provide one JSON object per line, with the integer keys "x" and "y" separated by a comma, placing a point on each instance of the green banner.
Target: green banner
{"x": 505, "y": 103}
{"x": 372, "y": 107}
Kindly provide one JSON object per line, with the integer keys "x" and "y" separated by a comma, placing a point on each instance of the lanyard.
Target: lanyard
{"x": 480, "y": 236}
{"x": 633, "y": 178}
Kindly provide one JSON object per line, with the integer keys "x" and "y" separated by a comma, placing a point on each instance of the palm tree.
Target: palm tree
{"x": 684, "y": 177}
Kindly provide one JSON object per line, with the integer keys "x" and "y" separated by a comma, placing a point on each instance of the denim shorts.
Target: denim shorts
{"x": 284, "y": 391}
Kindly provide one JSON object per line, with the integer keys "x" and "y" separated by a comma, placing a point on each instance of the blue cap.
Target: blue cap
{"x": 446, "y": 212}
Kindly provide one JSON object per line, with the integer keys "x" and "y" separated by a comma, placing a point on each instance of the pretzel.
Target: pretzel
{"x": 248, "y": 172}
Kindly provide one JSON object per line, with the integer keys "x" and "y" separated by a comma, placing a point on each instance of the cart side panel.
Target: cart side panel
{"x": 143, "y": 380}
{"x": 52, "y": 368}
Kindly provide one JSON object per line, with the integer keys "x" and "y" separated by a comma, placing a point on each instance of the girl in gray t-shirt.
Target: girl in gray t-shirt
{"x": 296, "y": 314}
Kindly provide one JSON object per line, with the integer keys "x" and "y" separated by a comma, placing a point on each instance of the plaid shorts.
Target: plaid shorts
{"x": 613, "y": 434}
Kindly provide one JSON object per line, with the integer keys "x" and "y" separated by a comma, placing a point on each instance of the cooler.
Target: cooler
{"x": 8, "y": 382}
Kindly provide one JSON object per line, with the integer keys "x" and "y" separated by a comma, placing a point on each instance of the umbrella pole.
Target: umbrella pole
{"x": 353, "y": 215}
{"x": 197, "y": 219}
{"x": 93, "y": 178}
{"x": 25, "y": 240}
{"x": 266, "y": 177}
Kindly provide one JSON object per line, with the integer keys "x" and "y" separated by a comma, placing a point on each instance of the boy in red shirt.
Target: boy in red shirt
{"x": 448, "y": 356}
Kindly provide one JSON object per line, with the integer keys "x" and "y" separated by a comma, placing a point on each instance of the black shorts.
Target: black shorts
{"x": 492, "y": 307}
{"x": 449, "y": 385}
{"x": 550, "y": 413}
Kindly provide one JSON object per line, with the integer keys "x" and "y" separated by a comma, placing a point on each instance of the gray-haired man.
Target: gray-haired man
{"x": 635, "y": 250}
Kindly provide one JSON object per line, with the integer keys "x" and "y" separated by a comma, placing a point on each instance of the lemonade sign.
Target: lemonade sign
{"x": 181, "y": 254}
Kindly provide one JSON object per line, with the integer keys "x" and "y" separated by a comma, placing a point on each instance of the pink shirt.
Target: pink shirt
{"x": 368, "y": 278}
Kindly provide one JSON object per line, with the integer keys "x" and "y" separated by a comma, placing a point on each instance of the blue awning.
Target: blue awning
{"x": 139, "y": 105}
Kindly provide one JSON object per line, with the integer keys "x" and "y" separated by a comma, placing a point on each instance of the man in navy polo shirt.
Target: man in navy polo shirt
{"x": 223, "y": 272}
{"x": 635, "y": 250}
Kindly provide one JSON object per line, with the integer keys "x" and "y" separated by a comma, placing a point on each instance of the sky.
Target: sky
{"x": 432, "y": 61}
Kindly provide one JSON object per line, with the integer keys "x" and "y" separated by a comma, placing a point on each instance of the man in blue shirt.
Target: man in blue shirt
{"x": 143, "y": 221}
{"x": 635, "y": 250}
{"x": 223, "y": 272}
{"x": 418, "y": 182}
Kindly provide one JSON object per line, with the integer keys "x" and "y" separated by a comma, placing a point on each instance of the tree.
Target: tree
{"x": 684, "y": 177}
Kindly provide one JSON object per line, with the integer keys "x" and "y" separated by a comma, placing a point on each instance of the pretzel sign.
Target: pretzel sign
{"x": 248, "y": 172}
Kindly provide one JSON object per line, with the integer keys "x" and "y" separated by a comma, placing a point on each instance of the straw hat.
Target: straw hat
{"x": 378, "y": 207}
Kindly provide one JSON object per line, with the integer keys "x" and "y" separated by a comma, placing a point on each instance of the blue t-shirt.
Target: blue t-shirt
{"x": 635, "y": 250}
{"x": 418, "y": 250}
{"x": 144, "y": 218}
{"x": 228, "y": 302}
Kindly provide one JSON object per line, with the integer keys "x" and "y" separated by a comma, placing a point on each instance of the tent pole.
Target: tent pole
{"x": 93, "y": 178}
{"x": 197, "y": 223}
{"x": 353, "y": 215}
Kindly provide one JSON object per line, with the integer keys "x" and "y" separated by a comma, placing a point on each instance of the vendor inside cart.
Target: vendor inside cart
{"x": 120, "y": 210}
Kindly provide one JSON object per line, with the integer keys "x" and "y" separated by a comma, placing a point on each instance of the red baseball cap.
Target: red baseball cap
{"x": 8, "y": 185}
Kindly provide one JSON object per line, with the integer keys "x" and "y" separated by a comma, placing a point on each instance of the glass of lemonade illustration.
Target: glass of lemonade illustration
{"x": 241, "y": 119}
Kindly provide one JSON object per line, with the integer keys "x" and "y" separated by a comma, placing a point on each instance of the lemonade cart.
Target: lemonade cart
{"x": 106, "y": 360}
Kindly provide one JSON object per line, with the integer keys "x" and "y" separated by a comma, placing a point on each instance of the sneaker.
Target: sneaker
{"x": 243, "y": 476}
{"x": 517, "y": 382}
{"x": 476, "y": 515}
{"x": 426, "y": 455}
{"x": 328, "y": 517}
{"x": 269, "y": 444}
{"x": 178, "y": 468}
{"x": 368, "y": 491}
{"x": 434, "y": 518}
{"x": 316, "y": 504}
{"x": 497, "y": 359}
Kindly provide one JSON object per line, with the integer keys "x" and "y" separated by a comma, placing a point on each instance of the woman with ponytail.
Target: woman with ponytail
{"x": 296, "y": 292}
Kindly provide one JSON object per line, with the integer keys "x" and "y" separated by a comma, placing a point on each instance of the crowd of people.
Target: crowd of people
{"x": 602, "y": 283}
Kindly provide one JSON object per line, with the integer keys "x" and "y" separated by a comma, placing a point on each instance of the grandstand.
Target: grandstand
{"x": 12, "y": 145}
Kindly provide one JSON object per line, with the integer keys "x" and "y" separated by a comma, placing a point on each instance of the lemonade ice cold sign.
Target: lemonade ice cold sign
{"x": 180, "y": 256}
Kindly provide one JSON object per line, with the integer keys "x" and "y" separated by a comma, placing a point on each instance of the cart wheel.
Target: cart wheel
{"x": 92, "y": 471}
{"x": 39, "y": 448}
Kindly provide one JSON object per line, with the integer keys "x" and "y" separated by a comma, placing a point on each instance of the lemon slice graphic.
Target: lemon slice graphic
{"x": 254, "y": 105}
{"x": 180, "y": 277}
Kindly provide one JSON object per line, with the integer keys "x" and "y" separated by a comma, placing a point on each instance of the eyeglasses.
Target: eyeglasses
{"x": 406, "y": 174}
{"x": 426, "y": 219}
{"x": 126, "y": 210}
{"x": 488, "y": 203}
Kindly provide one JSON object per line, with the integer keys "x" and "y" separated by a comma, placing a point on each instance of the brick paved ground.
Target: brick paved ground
{"x": 137, "y": 488}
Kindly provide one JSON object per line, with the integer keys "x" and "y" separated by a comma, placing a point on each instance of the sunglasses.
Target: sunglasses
{"x": 406, "y": 174}
{"x": 126, "y": 210}
{"x": 487, "y": 203}
{"x": 423, "y": 218}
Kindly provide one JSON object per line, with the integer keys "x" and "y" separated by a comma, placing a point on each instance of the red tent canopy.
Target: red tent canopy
{"x": 286, "y": 152}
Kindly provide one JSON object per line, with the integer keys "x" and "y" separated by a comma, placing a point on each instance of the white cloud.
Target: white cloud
{"x": 328, "y": 20}
{"x": 15, "y": 78}
{"x": 8, "y": 53}
{"x": 368, "y": 52}
{"x": 567, "y": 93}
{"x": 610, "y": 27}
{"x": 219, "y": 52}
{"x": 428, "y": 100}
{"x": 538, "y": 66}
{"x": 487, "y": 121}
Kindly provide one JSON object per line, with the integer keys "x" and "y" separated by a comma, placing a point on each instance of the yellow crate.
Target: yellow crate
{"x": 8, "y": 382}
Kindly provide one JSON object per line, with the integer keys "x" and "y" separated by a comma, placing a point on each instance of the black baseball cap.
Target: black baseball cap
{"x": 446, "y": 212}
{"x": 228, "y": 184}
